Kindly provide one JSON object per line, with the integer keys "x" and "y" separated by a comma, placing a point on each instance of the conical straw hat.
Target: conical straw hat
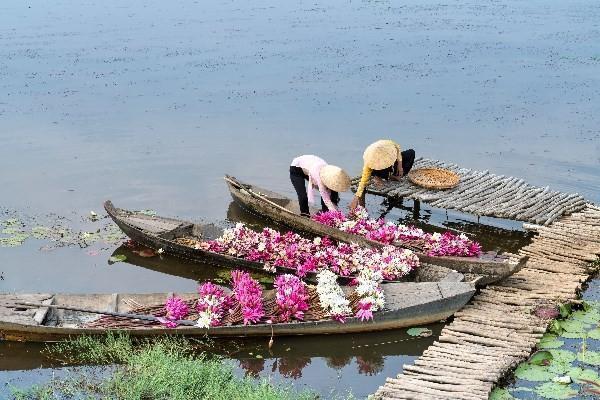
{"x": 380, "y": 155}
{"x": 335, "y": 178}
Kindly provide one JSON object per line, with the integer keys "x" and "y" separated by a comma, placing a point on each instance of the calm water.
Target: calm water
{"x": 149, "y": 104}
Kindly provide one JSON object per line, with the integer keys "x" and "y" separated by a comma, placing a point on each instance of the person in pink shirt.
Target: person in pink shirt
{"x": 328, "y": 179}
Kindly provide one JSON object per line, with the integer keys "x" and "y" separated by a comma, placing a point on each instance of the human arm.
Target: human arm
{"x": 360, "y": 191}
{"x": 326, "y": 195}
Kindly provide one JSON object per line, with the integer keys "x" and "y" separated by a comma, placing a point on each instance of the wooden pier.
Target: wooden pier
{"x": 485, "y": 194}
{"x": 497, "y": 330}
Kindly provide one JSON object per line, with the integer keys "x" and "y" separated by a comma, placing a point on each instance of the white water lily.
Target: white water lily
{"x": 331, "y": 295}
{"x": 204, "y": 319}
{"x": 564, "y": 380}
{"x": 160, "y": 251}
{"x": 369, "y": 290}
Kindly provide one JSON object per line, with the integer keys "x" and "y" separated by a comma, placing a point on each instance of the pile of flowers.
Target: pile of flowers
{"x": 331, "y": 296}
{"x": 436, "y": 244}
{"x": 212, "y": 305}
{"x": 176, "y": 309}
{"x": 290, "y": 250}
{"x": 248, "y": 293}
{"x": 291, "y": 297}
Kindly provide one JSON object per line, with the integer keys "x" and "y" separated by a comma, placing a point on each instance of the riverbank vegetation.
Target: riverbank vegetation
{"x": 167, "y": 368}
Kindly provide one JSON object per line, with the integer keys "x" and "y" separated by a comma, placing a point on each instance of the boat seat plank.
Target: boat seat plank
{"x": 21, "y": 315}
{"x": 42, "y": 312}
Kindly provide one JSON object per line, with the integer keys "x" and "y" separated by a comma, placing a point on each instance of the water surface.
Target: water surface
{"x": 149, "y": 103}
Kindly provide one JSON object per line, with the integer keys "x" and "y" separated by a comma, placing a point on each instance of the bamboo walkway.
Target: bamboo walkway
{"x": 497, "y": 330}
{"x": 485, "y": 194}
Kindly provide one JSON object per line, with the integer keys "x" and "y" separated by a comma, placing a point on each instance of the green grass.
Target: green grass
{"x": 161, "y": 369}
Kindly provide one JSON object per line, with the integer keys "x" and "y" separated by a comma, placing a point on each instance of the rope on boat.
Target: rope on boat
{"x": 497, "y": 330}
{"x": 485, "y": 194}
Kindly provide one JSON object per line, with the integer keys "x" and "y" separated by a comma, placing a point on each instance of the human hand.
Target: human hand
{"x": 353, "y": 203}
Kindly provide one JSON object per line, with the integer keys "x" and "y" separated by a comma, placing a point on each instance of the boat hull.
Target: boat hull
{"x": 407, "y": 304}
{"x": 489, "y": 271}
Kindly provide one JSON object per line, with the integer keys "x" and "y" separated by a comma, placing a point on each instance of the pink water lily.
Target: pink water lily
{"x": 436, "y": 244}
{"x": 212, "y": 304}
{"x": 291, "y": 297}
{"x": 304, "y": 256}
{"x": 364, "y": 312}
{"x": 248, "y": 293}
{"x": 176, "y": 309}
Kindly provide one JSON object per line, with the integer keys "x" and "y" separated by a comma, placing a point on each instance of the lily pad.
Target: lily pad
{"x": 534, "y": 373}
{"x": 550, "y": 341}
{"x": 41, "y": 232}
{"x": 578, "y": 374}
{"x": 11, "y": 230}
{"x": 574, "y": 335}
{"x": 589, "y": 357}
{"x": 14, "y": 241}
{"x": 561, "y": 362}
{"x": 573, "y": 326}
{"x": 90, "y": 237}
{"x": 552, "y": 390}
{"x": 500, "y": 394}
{"x": 420, "y": 332}
{"x": 594, "y": 334}
{"x": 117, "y": 258}
{"x": 565, "y": 310}
{"x": 11, "y": 222}
{"x": 562, "y": 356}
{"x": 541, "y": 358}
{"x": 591, "y": 316}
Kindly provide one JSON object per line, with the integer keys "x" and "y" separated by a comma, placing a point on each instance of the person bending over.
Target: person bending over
{"x": 384, "y": 160}
{"x": 328, "y": 179}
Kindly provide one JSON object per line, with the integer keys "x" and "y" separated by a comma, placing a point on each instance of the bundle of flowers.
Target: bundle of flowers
{"x": 176, "y": 309}
{"x": 370, "y": 293}
{"x": 291, "y": 297}
{"x": 292, "y": 300}
{"x": 331, "y": 296}
{"x": 449, "y": 244}
{"x": 359, "y": 223}
{"x": 290, "y": 250}
{"x": 248, "y": 293}
{"x": 212, "y": 305}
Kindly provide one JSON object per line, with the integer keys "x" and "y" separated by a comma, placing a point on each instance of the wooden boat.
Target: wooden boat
{"x": 407, "y": 304}
{"x": 284, "y": 211}
{"x": 162, "y": 233}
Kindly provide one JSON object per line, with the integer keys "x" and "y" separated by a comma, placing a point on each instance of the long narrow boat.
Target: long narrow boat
{"x": 407, "y": 304}
{"x": 161, "y": 233}
{"x": 284, "y": 211}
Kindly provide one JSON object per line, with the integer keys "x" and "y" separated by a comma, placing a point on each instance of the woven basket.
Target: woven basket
{"x": 434, "y": 178}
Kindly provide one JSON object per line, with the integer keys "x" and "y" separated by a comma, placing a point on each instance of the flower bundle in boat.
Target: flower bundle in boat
{"x": 246, "y": 303}
{"x": 303, "y": 256}
{"x": 433, "y": 244}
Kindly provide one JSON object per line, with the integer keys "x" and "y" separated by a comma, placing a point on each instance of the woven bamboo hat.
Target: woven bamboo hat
{"x": 380, "y": 155}
{"x": 335, "y": 178}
